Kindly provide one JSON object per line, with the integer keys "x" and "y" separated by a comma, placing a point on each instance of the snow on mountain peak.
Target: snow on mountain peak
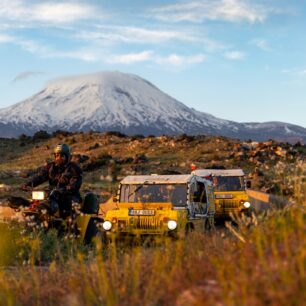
{"x": 103, "y": 100}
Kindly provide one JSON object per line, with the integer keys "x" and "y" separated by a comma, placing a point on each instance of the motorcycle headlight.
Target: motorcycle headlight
{"x": 172, "y": 225}
{"x": 38, "y": 195}
{"x": 107, "y": 225}
{"x": 247, "y": 204}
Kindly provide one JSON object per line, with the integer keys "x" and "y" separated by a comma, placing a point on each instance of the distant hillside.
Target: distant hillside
{"x": 108, "y": 157}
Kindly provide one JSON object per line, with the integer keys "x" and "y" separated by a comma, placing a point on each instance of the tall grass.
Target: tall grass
{"x": 267, "y": 267}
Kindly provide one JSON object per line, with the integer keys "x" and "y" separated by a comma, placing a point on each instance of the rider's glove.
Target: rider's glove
{"x": 24, "y": 187}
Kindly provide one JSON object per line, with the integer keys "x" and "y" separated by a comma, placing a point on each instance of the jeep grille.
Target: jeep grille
{"x": 229, "y": 204}
{"x": 146, "y": 223}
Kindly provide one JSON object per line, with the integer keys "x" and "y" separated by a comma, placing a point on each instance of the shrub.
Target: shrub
{"x": 93, "y": 147}
{"x": 137, "y": 137}
{"x": 24, "y": 138}
{"x": 41, "y": 135}
{"x": 185, "y": 137}
{"x": 115, "y": 133}
{"x": 61, "y": 133}
{"x": 71, "y": 141}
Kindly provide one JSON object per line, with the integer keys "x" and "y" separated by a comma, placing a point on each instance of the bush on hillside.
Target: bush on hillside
{"x": 24, "y": 138}
{"x": 115, "y": 133}
{"x": 41, "y": 135}
{"x": 137, "y": 137}
{"x": 62, "y": 133}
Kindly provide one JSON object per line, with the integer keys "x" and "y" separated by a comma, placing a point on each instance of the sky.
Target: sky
{"x": 241, "y": 60}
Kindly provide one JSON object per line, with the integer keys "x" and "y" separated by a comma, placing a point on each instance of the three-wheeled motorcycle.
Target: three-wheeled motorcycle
{"x": 82, "y": 222}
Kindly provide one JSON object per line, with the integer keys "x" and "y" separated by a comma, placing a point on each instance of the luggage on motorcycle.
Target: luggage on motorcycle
{"x": 17, "y": 202}
{"x": 90, "y": 204}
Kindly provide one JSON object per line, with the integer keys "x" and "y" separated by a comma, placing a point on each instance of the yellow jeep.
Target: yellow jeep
{"x": 151, "y": 205}
{"x": 230, "y": 191}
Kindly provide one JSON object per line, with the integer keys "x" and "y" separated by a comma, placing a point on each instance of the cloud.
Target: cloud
{"x": 6, "y": 38}
{"x": 95, "y": 53}
{"x": 28, "y": 45}
{"x": 32, "y": 46}
{"x": 261, "y": 44}
{"x": 138, "y": 35}
{"x": 174, "y": 60}
{"x": 234, "y": 55}
{"x": 301, "y": 72}
{"x": 227, "y": 10}
{"x": 62, "y": 12}
{"x": 131, "y": 58}
{"x": 179, "y": 61}
{"x": 118, "y": 34}
{"x": 45, "y": 51}
{"x": 48, "y": 12}
{"x": 25, "y": 75}
{"x": 84, "y": 54}
{"x": 110, "y": 35}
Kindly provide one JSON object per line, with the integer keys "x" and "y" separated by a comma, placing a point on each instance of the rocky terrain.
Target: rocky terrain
{"x": 107, "y": 157}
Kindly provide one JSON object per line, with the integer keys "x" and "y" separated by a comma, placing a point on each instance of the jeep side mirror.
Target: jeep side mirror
{"x": 248, "y": 184}
{"x": 115, "y": 199}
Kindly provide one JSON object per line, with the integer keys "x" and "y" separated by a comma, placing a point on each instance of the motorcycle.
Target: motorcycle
{"x": 41, "y": 213}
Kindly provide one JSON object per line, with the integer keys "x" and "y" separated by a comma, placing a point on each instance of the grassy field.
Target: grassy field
{"x": 261, "y": 261}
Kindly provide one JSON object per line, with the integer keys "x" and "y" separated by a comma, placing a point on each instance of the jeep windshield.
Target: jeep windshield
{"x": 154, "y": 193}
{"x": 229, "y": 183}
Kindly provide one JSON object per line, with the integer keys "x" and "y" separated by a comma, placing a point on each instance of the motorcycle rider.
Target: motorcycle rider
{"x": 65, "y": 180}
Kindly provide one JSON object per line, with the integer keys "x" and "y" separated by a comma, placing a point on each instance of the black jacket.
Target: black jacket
{"x": 68, "y": 177}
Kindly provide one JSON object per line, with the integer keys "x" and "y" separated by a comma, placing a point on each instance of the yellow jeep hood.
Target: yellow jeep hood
{"x": 151, "y": 205}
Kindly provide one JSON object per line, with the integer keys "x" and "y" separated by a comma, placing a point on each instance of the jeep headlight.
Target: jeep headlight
{"x": 107, "y": 225}
{"x": 172, "y": 225}
{"x": 247, "y": 204}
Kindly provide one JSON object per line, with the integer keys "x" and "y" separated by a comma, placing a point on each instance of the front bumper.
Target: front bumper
{"x": 228, "y": 212}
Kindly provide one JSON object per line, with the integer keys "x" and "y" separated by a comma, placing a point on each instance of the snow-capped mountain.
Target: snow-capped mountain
{"x": 127, "y": 103}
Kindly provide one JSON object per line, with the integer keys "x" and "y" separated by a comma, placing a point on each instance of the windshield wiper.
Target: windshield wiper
{"x": 137, "y": 189}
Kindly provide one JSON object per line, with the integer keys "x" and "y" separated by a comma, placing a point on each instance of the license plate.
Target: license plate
{"x": 224, "y": 196}
{"x": 141, "y": 212}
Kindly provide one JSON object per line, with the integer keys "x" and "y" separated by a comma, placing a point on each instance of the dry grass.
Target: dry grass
{"x": 266, "y": 267}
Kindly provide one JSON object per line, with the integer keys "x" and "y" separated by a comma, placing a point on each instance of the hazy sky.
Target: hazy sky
{"x": 242, "y": 60}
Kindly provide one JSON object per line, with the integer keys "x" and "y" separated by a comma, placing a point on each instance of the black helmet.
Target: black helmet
{"x": 62, "y": 148}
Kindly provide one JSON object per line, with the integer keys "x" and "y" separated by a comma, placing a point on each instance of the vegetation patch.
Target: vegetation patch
{"x": 260, "y": 261}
